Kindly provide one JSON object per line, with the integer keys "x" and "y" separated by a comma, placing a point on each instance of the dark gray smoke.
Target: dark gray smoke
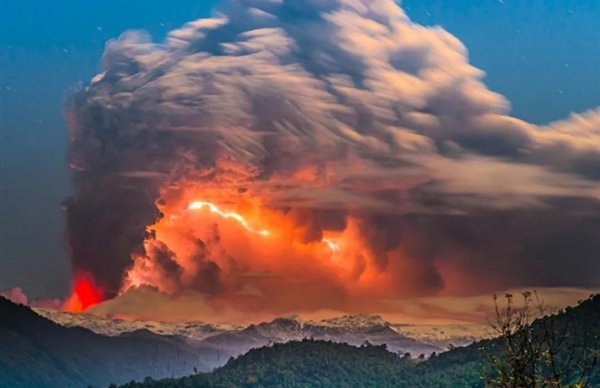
{"x": 394, "y": 125}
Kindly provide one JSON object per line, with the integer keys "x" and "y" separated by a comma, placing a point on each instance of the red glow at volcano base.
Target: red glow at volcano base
{"x": 84, "y": 295}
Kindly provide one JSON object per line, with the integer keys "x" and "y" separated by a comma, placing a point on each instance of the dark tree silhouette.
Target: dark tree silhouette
{"x": 537, "y": 348}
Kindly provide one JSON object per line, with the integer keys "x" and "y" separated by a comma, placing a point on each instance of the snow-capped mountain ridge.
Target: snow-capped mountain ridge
{"x": 115, "y": 327}
{"x": 354, "y": 322}
{"x": 201, "y": 330}
{"x": 352, "y": 329}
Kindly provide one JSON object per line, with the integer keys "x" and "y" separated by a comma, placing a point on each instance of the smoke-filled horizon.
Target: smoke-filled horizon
{"x": 365, "y": 147}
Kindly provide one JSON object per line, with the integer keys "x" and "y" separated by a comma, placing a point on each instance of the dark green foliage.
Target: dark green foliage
{"x": 312, "y": 363}
{"x": 306, "y": 363}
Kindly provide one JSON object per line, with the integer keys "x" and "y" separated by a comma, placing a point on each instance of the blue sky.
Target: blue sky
{"x": 542, "y": 55}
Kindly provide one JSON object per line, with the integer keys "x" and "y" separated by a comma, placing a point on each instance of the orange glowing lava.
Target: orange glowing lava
{"x": 85, "y": 294}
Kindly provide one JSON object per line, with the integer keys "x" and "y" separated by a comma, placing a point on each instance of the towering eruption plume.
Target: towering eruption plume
{"x": 332, "y": 150}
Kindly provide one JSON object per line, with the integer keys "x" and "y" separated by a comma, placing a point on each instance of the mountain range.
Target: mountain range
{"x": 50, "y": 348}
{"x": 352, "y": 329}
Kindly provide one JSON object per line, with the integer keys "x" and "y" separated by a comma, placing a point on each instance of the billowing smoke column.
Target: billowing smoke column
{"x": 366, "y": 145}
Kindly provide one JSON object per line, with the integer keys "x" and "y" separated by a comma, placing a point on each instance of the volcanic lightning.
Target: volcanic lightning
{"x": 333, "y": 246}
{"x": 197, "y": 205}
{"x": 214, "y": 209}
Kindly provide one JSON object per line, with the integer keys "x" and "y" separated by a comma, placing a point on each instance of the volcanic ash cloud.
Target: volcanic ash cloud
{"x": 365, "y": 146}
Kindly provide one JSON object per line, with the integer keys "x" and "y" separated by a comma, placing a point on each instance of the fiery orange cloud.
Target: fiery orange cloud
{"x": 239, "y": 251}
{"x": 242, "y": 221}
{"x": 247, "y": 255}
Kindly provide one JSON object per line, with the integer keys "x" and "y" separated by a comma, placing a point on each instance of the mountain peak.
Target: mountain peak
{"x": 290, "y": 317}
{"x": 359, "y": 321}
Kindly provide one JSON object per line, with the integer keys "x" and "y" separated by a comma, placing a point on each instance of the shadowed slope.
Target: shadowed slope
{"x": 37, "y": 352}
